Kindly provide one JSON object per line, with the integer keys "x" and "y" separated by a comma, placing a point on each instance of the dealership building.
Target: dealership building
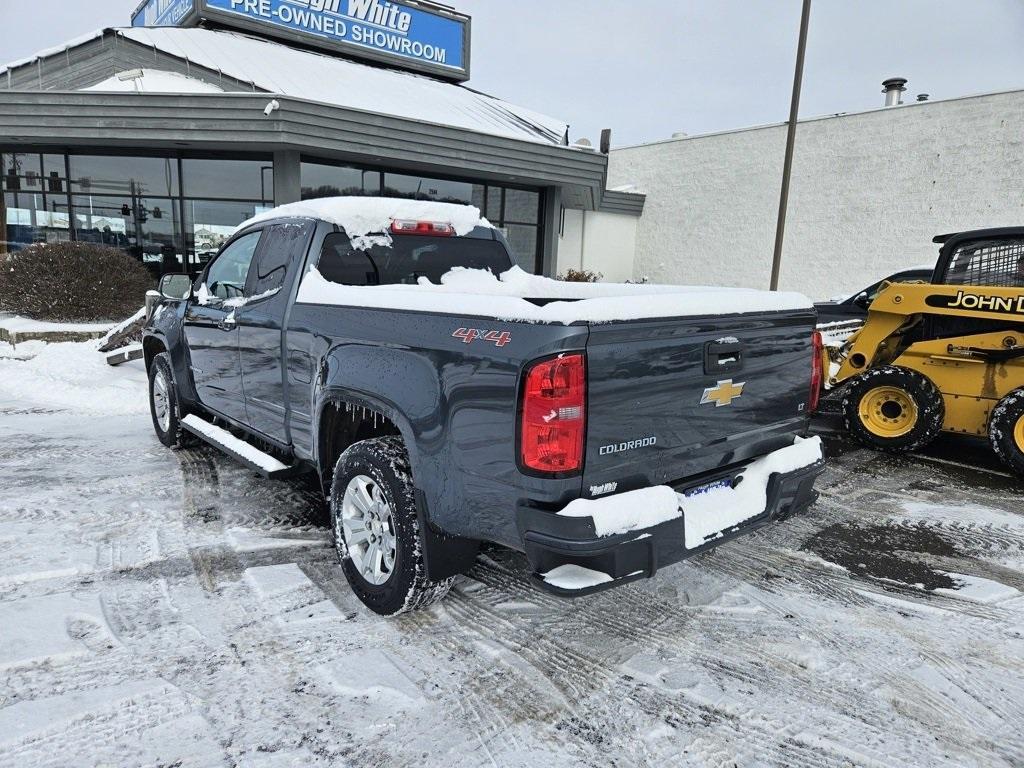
{"x": 161, "y": 137}
{"x": 869, "y": 191}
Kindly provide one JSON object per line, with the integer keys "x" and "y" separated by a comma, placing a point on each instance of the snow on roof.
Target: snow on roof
{"x": 156, "y": 81}
{"x": 53, "y": 51}
{"x": 360, "y": 216}
{"x": 478, "y": 293}
{"x": 286, "y": 71}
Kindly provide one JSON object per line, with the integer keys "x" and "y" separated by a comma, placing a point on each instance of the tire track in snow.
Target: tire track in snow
{"x": 558, "y": 663}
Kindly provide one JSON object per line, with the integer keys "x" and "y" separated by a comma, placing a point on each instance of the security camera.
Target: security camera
{"x": 271, "y": 107}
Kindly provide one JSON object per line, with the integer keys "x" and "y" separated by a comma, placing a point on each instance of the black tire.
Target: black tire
{"x": 385, "y": 462}
{"x": 167, "y": 425}
{"x": 907, "y": 421}
{"x": 1006, "y": 431}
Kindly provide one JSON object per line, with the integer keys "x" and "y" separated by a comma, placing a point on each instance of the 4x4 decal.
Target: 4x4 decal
{"x": 469, "y": 335}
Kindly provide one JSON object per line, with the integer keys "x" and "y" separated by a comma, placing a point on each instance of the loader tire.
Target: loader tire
{"x": 893, "y": 409}
{"x": 1006, "y": 431}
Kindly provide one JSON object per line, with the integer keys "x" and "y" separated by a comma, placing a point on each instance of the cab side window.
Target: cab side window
{"x": 341, "y": 263}
{"x": 228, "y": 273}
{"x": 282, "y": 244}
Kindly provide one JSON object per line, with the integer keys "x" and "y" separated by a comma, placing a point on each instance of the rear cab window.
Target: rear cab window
{"x": 410, "y": 257}
{"x": 996, "y": 262}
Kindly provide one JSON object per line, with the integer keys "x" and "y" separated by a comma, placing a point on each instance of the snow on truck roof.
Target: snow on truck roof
{"x": 360, "y": 216}
{"x": 478, "y": 293}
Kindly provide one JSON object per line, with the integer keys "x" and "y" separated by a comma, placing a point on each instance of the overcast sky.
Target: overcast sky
{"x": 649, "y": 68}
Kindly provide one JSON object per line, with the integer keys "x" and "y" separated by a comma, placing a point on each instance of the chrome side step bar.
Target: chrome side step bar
{"x": 249, "y": 455}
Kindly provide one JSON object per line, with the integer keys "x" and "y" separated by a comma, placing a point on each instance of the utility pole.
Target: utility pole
{"x": 787, "y": 168}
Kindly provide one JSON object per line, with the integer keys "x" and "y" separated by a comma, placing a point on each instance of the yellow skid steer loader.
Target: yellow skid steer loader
{"x": 946, "y": 356}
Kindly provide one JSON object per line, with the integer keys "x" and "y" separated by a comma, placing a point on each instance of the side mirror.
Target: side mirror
{"x": 863, "y": 300}
{"x": 175, "y": 287}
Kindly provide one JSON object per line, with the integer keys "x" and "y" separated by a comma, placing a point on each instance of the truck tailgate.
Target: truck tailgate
{"x": 679, "y": 398}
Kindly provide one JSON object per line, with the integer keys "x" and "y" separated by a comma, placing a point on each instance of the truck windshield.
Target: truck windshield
{"x": 407, "y": 259}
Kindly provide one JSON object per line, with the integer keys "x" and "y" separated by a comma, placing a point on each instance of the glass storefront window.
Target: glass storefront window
{"x": 146, "y": 227}
{"x": 338, "y": 180}
{"x": 521, "y": 206}
{"x": 230, "y": 179}
{"x": 493, "y": 210}
{"x": 176, "y": 213}
{"x": 515, "y": 211}
{"x": 117, "y": 175}
{"x": 523, "y": 241}
{"x": 34, "y": 208}
{"x": 426, "y": 188}
{"x": 33, "y": 218}
{"x": 209, "y": 224}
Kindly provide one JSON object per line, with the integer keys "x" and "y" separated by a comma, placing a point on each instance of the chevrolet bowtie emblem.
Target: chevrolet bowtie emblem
{"x": 722, "y": 394}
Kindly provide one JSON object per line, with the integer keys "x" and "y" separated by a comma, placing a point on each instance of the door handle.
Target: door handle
{"x": 227, "y": 324}
{"x": 723, "y": 357}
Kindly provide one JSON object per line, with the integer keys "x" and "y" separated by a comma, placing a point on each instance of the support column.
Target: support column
{"x": 551, "y": 221}
{"x": 287, "y": 177}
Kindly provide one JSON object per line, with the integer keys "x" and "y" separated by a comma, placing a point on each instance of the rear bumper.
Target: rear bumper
{"x": 552, "y": 540}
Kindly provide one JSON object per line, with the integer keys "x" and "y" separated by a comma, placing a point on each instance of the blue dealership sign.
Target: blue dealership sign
{"x": 162, "y": 13}
{"x": 398, "y": 31}
{"x": 409, "y": 34}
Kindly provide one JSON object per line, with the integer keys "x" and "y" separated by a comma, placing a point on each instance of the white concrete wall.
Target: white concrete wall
{"x": 601, "y": 242}
{"x": 869, "y": 192}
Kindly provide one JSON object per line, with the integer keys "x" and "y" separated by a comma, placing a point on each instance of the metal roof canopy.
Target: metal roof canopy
{"x": 233, "y": 122}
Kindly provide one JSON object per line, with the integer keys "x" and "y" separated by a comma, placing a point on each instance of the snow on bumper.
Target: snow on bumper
{"x": 630, "y": 535}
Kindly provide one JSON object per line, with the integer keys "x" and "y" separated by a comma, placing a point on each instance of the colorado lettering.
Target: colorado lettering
{"x": 632, "y": 445}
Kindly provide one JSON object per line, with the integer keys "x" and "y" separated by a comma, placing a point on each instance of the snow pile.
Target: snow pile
{"x": 76, "y": 377}
{"x": 705, "y": 515}
{"x": 978, "y": 589}
{"x": 362, "y": 216}
{"x": 19, "y": 324}
{"x": 123, "y": 326}
{"x": 630, "y": 511}
{"x": 708, "y": 515}
{"x": 480, "y": 293}
{"x": 835, "y": 335}
{"x": 155, "y": 81}
{"x": 575, "y": 577}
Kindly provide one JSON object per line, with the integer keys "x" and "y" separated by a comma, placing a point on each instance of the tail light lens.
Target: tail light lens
{"x": 816, "y": 372}
{"x": 429, "y": 228}
{"x": 554, "y": 415}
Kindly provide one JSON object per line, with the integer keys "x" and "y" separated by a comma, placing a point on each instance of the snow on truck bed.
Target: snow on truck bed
{"x": 506, "y": 297}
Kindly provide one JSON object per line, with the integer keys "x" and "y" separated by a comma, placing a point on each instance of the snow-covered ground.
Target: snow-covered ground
{"x": 169, "y": 608}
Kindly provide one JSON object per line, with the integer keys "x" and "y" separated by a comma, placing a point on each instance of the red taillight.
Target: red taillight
{"x": 429, "y": 228}
{"x": 554, "y": 415}
{"x": 816, "y": 372}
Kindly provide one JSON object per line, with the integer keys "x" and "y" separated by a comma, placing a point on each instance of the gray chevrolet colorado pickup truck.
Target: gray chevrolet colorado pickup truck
{"x": 446, "y": 398}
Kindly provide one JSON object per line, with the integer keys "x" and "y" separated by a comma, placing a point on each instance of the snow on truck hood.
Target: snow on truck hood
{"x": 478, "y": 293}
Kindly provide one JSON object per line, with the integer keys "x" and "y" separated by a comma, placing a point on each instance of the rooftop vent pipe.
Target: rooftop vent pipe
{"x": 922, "y": 97}
{"x": 893, "y": 89}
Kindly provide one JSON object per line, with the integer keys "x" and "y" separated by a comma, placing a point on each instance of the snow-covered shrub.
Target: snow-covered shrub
{"x": 581, "y": 276}
{"x": 72, "y": 282}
